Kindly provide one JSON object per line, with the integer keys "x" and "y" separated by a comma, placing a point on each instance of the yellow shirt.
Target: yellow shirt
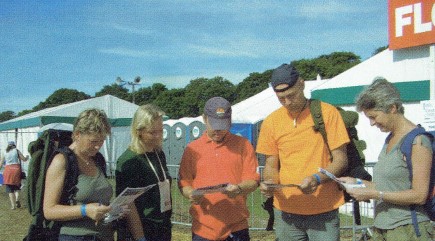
{"x": 301, "y": 152}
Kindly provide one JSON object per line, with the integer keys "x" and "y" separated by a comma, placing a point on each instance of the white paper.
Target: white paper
{"x": 120, "y": 204}
{"x": 345, "y": 185}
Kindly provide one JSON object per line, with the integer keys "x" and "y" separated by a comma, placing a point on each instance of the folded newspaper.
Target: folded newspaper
{"x": 120, "y": 204}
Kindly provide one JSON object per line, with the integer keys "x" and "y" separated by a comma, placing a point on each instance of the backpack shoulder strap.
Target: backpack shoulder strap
{"x": 316, "y": 113}
{"x": 319, "y": 123}
{"x": 406, "y": 149}
{"x": 71, "y": 178}
{"x": 101, "y": 163}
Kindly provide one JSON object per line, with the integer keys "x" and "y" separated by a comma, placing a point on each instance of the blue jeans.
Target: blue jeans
{"x": 241, "y": 235}
{"x": 318, "y": 227}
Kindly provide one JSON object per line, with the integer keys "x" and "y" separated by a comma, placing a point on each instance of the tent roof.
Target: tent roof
{"x": 255, "y": 108}
{"x": 119, "y": 112}
{"x": 185, "y": 120}
{"x": 409, "y": 69}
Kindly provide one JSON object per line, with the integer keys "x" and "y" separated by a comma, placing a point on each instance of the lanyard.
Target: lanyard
{"x": 152, "y": 167}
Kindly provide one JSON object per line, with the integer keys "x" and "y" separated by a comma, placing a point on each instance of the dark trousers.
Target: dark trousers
{"x": 157, "y": 232}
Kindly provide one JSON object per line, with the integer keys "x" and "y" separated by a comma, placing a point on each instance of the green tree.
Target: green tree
{"x": 327, "y": 66}
{"x": 7, "y": 115}
{"x": 149, "y": 94}
{"x": 24, "y": 112}
{"x": 143, "y": 95}
{"x": 253, "y": 84}
{"x": 60, "y": 97}
{"x": 380, "y": 49}
{"x": 115, "y": 90}
{"x": 157, "y": 89}
{"x": 171, "y": 101}
{"x": 198, "y": 91}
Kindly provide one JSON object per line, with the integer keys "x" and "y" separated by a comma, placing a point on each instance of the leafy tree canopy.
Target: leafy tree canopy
{"x": 171, "y": 101}
{"x": 380, "y": 49}
{"x": 254, "y": 83}
{"x": 149, "y": 94}
{"x": 198, "y": 91}
{"x": 7, "y": 115}
{"x": 327, "y": 66}
{"x": 60, "y": 97}
{"x": 115, "y": 90}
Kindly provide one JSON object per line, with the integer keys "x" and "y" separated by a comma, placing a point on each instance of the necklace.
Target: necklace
{"x": 84, "y": 160}
{"x": 297, "y": 117}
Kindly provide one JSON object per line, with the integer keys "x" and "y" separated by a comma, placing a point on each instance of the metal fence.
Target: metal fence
{"x": 259, "y": 217}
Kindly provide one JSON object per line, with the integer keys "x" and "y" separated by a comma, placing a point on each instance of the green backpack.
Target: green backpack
{"x": 42, "y": 151}
{"x": 355, "y": 148}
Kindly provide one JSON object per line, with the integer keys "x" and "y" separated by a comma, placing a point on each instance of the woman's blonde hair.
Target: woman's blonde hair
{"x": 145, "y": 117}
{"x": 92, "y": 121}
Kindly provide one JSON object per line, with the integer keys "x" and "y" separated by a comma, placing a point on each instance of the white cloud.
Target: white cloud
{"x": 131, "y": 30}
{"x": 126, "y": 52}
{"x": 223, "y": 52}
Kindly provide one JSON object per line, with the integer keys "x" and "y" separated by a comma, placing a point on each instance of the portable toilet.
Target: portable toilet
{"x": 166, "y": 146}
{"x": 195, "y": 130}
{"x": 177, "y": 144}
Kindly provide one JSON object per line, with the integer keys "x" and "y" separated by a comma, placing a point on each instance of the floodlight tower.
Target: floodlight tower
{"x": 133, "y": 83}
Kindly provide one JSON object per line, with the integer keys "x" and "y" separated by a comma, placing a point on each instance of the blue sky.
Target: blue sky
{"x": 84, "y": 45}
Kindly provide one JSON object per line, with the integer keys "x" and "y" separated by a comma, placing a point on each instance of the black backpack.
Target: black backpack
{"x": 42, "y": 151}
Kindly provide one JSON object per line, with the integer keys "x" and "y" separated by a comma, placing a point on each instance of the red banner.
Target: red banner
{"x": 411, "y": 23}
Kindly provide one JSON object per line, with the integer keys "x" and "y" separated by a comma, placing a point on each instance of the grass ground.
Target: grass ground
{"x": 14, "y": 223}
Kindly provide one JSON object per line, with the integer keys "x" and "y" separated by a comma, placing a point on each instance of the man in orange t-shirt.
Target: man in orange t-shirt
{"x": 294, "y": 151}
{"x": 220, "y": 159}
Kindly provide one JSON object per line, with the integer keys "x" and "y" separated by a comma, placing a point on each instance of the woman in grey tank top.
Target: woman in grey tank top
{"x": 391, "y": 188}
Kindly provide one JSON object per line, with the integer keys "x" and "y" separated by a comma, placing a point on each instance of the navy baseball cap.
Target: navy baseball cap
{"x": 284, "y": 74}
{"x": 218, "y": 112}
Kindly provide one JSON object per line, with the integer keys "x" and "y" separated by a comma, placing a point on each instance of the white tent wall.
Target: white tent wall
{"x": 119, "y": 112}
{"x": 117, "y": 143}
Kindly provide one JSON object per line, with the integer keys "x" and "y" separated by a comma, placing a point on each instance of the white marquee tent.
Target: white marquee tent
{"x": 25, "y": 129}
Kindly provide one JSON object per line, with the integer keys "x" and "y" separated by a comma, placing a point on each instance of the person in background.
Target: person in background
{"x": 85, "y": 220}
{"x": 391, "y": 186}
{"x": 219, "y": 157}
{"x": 294, "y": 152}
{"x": 12, "y": 174}
{"x": 144, "y": 164}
